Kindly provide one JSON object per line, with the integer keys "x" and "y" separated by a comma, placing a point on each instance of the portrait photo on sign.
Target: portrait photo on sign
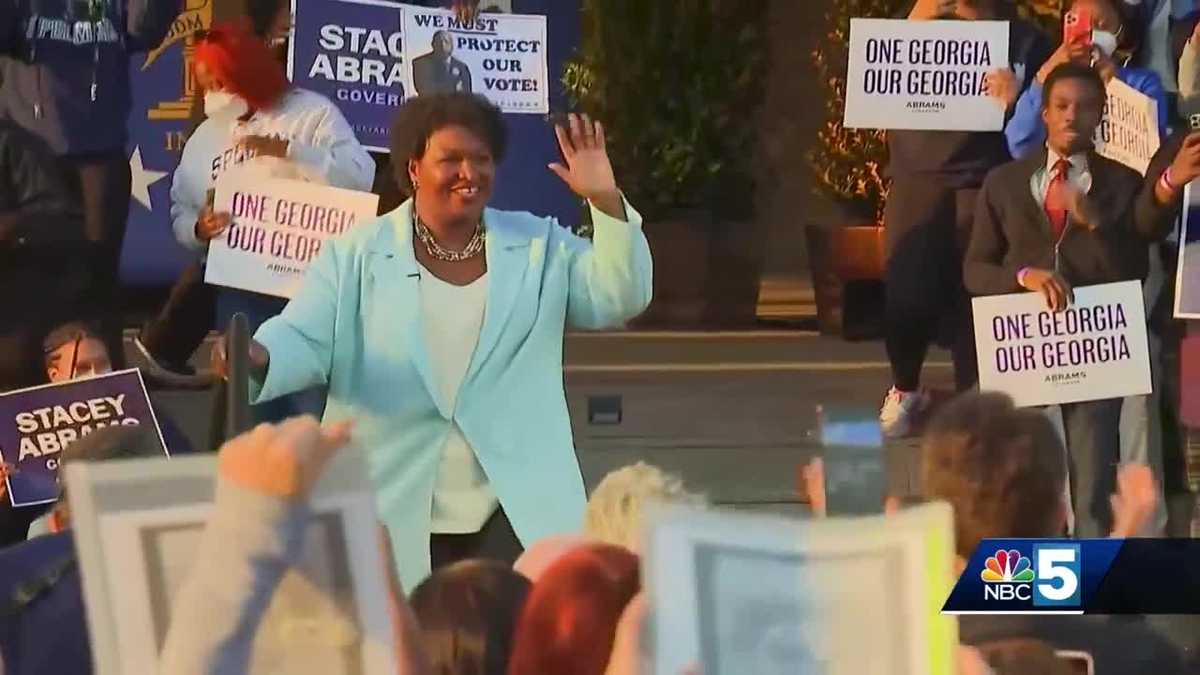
{"x": 1187, "y": 276}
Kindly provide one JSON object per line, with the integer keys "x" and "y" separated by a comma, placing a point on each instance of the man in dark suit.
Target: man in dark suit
{"x": 1060, "y": 218}
{"x": 438, "y": 71}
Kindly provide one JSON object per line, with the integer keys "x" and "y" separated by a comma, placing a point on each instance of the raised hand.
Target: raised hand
{"x": 588, "y": 171}
{"x": 1135, "y": 501}
{"x": 283, "y": 460}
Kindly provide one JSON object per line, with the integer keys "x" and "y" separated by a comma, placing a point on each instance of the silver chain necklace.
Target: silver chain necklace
{"x": 438, "y": 252}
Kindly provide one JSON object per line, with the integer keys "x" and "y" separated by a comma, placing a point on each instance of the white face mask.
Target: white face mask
{"x": 224, "y": 104}
{"x": 1104, "y": 41}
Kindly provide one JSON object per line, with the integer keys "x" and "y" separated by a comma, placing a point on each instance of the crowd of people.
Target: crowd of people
{"x": 432, "y": 338}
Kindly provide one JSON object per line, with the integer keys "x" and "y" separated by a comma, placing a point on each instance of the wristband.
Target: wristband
{"x": 1021, "y": 276}
{"x": 1165, "y": 179}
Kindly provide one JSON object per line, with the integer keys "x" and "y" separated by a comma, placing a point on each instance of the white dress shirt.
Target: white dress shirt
{"x": 1078, "y": 175}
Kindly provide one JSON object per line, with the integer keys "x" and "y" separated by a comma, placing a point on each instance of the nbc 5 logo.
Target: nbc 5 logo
{"x": 1058, "y": 581}
{"x": 1050, "y": 579}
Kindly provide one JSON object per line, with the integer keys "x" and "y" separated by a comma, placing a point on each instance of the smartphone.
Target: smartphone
{"x": 853, "y": 454}
{"x": 1078, "y": 663}
{"x": 1077, "y": 27}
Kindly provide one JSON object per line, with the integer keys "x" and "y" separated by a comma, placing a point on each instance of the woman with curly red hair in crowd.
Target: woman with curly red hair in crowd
{"x": 570, "y": 618}
{"x": 257, "y": 121}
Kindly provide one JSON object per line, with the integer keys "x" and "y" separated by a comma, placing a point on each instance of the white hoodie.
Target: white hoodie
{"x": 321, "y": 149}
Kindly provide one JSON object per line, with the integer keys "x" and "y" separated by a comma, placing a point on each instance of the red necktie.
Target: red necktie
{"x": 1055, "y": 206}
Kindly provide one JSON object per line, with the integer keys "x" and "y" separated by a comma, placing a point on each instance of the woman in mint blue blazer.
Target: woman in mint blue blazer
{"x": 439, "y": 327}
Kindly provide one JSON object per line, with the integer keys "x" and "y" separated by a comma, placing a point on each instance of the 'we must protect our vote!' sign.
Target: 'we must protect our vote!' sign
{"x": 37, "y": 424}
{"x": 924, "y": 74}
{"x": 1095, "y": 349}
{"x": 500, "y": 56}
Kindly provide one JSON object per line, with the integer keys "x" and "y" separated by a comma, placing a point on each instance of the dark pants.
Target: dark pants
{"x": 184, "y": 321}
{"x": 927, "y": 227}
{"x": 1093, "y": 451}
{"x": 494, "y": 541}
{"x": 102, "y": 183}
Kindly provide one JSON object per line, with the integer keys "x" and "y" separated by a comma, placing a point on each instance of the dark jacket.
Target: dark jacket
{"x": 43, "y": 626}
{"x": 432, "y": 76}
{"x": 43, "y": 251}
{"x": 52, "y": 55}
{"x": 1011, "y": 230}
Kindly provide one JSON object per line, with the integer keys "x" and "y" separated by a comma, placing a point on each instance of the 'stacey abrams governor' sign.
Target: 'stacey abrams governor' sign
{"x": 924, "y": 74}
{"x": 1128, "y": 132}
{"x": 278, "y": 228}
{"x": 502, "y": 56}
{"x": 37, "y": 424}
{"x": 1095, "y": 349}
{"x": 352, "y": 52}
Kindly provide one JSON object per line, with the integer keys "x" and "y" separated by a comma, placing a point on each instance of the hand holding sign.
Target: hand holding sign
{"x": 1001, "y": 84}
{"x": 588, "y": 172}
{"x": 1053, "y": 287}
{"x": 210, "y": 225}
{"x": 1104, "y": 65}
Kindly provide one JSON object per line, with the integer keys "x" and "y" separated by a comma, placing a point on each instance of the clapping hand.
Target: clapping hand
{"x": 1083, "y": 212}
{"x": 588, "y": 171}
{"x": 466, "y": 10}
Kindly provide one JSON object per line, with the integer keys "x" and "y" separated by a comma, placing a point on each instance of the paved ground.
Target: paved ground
{"x": 733, "y": 413}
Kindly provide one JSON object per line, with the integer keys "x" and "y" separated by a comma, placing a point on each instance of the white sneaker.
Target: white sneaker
{"x": 900, "y": 411}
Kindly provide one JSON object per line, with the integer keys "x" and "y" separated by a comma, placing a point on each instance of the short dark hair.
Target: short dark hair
{"x": 1072, "y": 71}
{"x": 468, "y": 615}
{"x": 1002, "y": 469}
{"x": 261, "y": 14}
{"x": 418, "y": 119}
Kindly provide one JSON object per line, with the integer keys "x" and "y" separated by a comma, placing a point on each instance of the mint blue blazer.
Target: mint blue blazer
{"x": 355, "y": 326}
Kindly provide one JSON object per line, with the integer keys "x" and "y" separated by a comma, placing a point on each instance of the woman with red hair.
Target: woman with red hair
{"x": 570, "y": 618}
{"x": 257, "y": 122}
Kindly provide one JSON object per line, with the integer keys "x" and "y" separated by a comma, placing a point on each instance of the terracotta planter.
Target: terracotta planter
{"x": 847, "y": 263}
{"x": 706, "y": 272}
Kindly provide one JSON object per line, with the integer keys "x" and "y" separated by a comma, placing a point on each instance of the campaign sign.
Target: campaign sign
{"x": 924, "y": 74}
{"x": 278, "y": 228}
{"x": 500, "y": 56}
{"x": 1128, "y": 132}
{"x": 351, "y": 51}
{"x": 37, "y": 423}
{"x": 1095, "y": 349}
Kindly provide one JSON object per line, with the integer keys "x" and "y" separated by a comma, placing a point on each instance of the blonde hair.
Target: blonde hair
{"x": 616, "y": 508}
